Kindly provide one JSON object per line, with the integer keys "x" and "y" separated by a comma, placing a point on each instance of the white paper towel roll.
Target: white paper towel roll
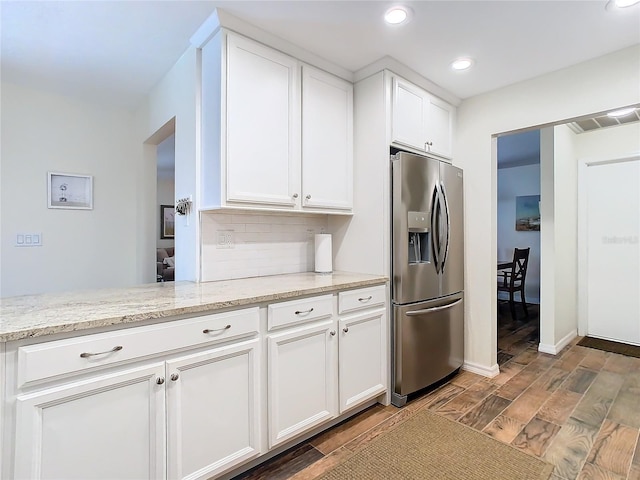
{"x": 323, "y": 253}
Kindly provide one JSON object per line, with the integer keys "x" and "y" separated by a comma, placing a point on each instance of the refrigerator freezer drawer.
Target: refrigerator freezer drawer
{"x": 428, "y": 342}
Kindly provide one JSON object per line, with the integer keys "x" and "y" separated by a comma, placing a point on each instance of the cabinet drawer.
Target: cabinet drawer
{"x": 76, "y": 355}
{"x": 353, "y": 300}
{"x": 299, "y": 311}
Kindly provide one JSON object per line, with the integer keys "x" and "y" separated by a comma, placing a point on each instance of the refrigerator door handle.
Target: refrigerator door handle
{"x": 435, "y": 240}
{"x": 433, "y": 309}
{"x": 446, "y": 229}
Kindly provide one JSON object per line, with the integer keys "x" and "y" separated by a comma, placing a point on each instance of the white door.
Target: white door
{"x": 362, "y": 358}
{"x": 301, "y": 379}
{"x": 327, "y": 140}
{"x": 409, "y": 112}
{"x": 613, "y": 251}
{"x": 213, "y": 410}
{"x": 262, "y": 137}
{"x": 107, "y": 427}
{"x": 439, "y": 127}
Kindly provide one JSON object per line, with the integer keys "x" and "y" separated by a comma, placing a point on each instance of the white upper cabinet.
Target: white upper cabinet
{"x": 261, "y": 138}
{"x": 327, "y": 140}
{"x": 276, "y": 135}
{"x": 421, "y": 121}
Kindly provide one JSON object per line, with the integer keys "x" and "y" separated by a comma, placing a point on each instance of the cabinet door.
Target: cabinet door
{"x": 302, "y": 380}
{"x": 327, "y": 140}
{"x": 107, "y": 427}
{"x": 409, "y": 112}
{"x": 262, "y": 114}
{"x": 213, "y": 405}
{"x": 439, "y": 127}
{"x": 362, "y": 371}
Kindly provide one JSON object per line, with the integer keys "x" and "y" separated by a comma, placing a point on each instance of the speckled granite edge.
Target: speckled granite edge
{"x": 47, "y": 314}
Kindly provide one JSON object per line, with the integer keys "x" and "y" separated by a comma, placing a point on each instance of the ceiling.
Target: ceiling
{"x": 116, "y": 51}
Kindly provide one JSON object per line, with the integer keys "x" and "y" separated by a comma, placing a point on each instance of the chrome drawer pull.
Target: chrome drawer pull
{"x": 114, "y": 349}
{"x": 212, "y": 330}
{"x": 304, "y": 312}
{"x": 345, "y": 329}
{"x": 365, "y": 299}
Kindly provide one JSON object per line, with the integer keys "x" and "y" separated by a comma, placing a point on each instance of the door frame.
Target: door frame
{"x": 583, "y": 164}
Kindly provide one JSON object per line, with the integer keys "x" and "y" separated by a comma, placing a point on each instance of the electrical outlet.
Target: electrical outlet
{"x": 225, "y": 239}
{"x": 310, "y": 232}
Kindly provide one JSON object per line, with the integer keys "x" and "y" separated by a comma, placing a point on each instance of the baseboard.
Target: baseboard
{"x": 555, "y": 349}
{"x": 489, "y": 372}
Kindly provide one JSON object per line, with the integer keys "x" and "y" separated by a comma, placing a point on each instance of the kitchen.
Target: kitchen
{"x": 539, "y": 101}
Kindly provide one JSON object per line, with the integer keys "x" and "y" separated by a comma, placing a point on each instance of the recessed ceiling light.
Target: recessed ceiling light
{"x": 623, "y": 112}
{"x": 613, "y": 5}
{"x": 461, "y": 64}
{"x": 625, "y": 3}
{"x": 397, "y": 15}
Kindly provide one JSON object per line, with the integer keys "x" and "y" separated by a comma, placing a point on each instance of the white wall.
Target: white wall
{"x": 609, "y": 143}
{"x": 176, "y": 96}
{"x": 264, "y": 244}
{"x": 512, "y": 183}
{"x": 598, "y": 85}
{"x": 80, "y": 248}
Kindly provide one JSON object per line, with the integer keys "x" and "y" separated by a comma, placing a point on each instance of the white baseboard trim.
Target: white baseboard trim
{"x": 555, "y": 349}
{"x": 489, "y": 372}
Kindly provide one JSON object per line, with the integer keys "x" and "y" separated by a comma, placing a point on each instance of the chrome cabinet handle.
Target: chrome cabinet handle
{"x": 211, "y": 330}
{"x": 295, "y": 195}
{"x": 308, "y": 197}
{"x": 303, "y": 312}
{"x": 365, "y": 299}
{"x": 114, "y": 349}
{"x": 428, "y": 144}
{"x": 174, "y": 377}
{"x": 160, "y": 380}
{"x": 345, "y": 329}
{"x": 333, "y": 333}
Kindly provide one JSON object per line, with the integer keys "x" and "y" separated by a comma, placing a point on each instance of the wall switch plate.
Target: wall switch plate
{"x": 225, "y": 239}
{"x": 28, "y": 240}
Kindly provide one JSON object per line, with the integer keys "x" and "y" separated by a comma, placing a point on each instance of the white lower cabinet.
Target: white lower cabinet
{"x": 108, "y": 427}
{"x": 302, "y": 379}
{"x": 187, "y": 399}
{"x": 321, "y": 369}
{"x": 113, "y": 426}
{"x": 213, "y": 404}
{"x": 362, "y": 366}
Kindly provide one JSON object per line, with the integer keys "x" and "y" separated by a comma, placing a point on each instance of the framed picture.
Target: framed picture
{"x": 67, "y": 190}
{"x": 528, "y": 213}
{"x": 167, "y": 221}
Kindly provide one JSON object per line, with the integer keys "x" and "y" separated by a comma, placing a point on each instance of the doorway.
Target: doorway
{"x": 165, "y": 195}
{"x": 518, "y": 226}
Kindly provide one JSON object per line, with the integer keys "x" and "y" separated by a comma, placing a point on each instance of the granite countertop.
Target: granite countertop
{"x": 38, "y": 315}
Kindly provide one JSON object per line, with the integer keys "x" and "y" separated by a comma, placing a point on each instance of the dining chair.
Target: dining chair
{"x": 512, "y": 280}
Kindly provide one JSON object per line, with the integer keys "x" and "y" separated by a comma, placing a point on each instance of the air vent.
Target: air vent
{"x": 603, "y": 121}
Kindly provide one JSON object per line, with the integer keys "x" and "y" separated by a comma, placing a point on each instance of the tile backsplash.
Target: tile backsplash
{"x": 252, "y": 244}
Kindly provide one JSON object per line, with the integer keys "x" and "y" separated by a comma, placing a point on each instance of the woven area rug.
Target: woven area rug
{"x": 430, "y": 447}
{"x": 609, "y": 346}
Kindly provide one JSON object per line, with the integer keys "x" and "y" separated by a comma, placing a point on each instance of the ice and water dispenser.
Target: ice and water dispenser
{"x": 419, "y": 237}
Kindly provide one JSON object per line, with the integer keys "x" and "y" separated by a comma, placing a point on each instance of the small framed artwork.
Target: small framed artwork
{"x": 167, "y": 221}
{"x": 67, "y": 190}
{"x": 528, "y": 213}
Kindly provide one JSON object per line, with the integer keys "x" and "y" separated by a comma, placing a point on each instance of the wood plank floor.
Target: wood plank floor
{"x": 578, "y": 410}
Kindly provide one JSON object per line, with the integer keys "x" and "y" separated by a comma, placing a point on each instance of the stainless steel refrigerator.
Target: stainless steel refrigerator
{"x": 427, "y": 273}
